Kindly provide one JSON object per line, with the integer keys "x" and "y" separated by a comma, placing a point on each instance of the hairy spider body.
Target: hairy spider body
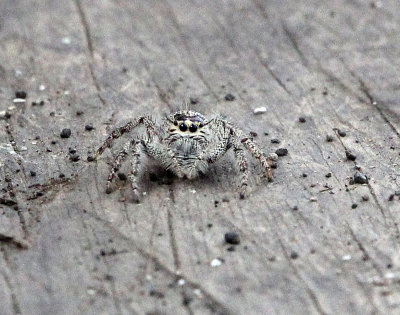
{"x": 186, "y": 143}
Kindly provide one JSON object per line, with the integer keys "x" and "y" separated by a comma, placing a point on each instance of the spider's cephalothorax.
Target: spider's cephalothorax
{"x": 186, "y": 143}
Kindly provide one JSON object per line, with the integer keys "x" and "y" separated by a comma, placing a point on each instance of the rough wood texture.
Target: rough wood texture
{"x": 68, "y": 248}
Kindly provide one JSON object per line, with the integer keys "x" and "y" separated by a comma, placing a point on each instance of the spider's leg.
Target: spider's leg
{"x": 254, "y": 149}
{"x": 243, "y": 167}
{"x": 117, "y": 164}
{"x": 148, "y": 123}
{"x": 135, "y": 164}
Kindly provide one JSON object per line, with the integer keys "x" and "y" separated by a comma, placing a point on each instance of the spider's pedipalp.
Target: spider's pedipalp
{"x": 134, "y": 173}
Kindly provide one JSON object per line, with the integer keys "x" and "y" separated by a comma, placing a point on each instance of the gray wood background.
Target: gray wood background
{"x": 66, "y": 247}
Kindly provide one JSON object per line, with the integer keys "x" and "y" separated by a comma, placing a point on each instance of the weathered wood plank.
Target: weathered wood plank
{"x": 334, "y": 63}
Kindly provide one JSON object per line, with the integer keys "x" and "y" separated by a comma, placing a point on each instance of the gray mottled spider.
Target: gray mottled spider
{"x": 186, "y": 143}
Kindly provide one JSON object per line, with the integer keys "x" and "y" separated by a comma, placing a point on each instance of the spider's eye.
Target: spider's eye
{"x": 193, "y": 128}
{"x": 175, "y": 123}
{"x": 201, "y": 125}
{"x": 183, "y": 127}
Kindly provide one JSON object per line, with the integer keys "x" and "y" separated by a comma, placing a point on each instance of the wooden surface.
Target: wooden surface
{"x": 66, "y": 247}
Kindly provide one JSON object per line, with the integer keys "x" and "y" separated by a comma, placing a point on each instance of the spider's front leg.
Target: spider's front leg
{"x": 148, "y": 123}
{"x": 243, "y": 167}
{"x": 117, "y": 164}
{"x": 135, "y": 165}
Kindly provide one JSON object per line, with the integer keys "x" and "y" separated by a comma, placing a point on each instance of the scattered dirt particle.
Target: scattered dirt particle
{"x": 156, "y": 294}
{"x": 90, "y": 158}
{"x": 329, "y": 138}
{"x": 89, "y": 127}
{"x": 20, "y": 94}
{"x": 187, "y": 300}
{"x": 304, "y": 175}
{"x": 266, "y": 133}
{"x": 391, "y": 197}
{"x": 41, "y": 103}
{"x": 209, "y": 225}
{"x": 275, "y": 140}
{"x": 232, "y": 238}
{"x": 122, "y": 176}
{"x": 354, "y": 205}
{"x": 53, "y": 142}
{"x": 350, "y": 156}
{"x": 253, "y": 134}
{"x": 79, "y": 113}
{"x": 231, "y": 249}
{"x": 282, "y": 152}
{"x": 72, "y": 150}
{"x": 302, "y": 119}
{"x": 216, "y": 202}
{"x": 328, "y": 175}
{"x": 295, "y": 208}
{"x": 342, "y": 133}
{"x": 74, "y": 157}
{"x": 65, "y": 133}
{"x": 229, "y": 97}
{"x": 365, "y": 197}
{"x": 360, "y": 178}
{"x": 294, "y": 255}
{"x": 33, "y": 173}
{"x": 225, "y": 200}
{"x": 194, "y": 100}
{"x": 62, "y": 175}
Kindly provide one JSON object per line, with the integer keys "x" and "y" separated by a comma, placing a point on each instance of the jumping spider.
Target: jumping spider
{"x": 186, "y": 143}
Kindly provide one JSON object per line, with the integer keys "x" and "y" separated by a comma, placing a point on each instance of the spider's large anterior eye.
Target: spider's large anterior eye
{"x": 193, "y": 128}
{"x": 175, "y": 123}
{"x": 201, "y": 125}
{"x": 183, "y": 127}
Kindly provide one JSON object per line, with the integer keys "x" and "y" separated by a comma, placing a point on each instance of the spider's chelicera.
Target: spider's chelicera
{"x": 186, "y": 143}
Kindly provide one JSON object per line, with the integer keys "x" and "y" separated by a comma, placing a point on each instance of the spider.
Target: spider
{"x": 186, "y": 143}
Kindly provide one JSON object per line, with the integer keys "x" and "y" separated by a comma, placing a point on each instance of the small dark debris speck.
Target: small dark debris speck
{"x": 304, "y": 174}
{"x": 33, "y": 173}
{"x": 53, "y": 142}
{"x": 294, "y": 255}
{"x": 41, "y": 103}
{"x": 350, "y": 156}
{"x": 360, "y": 178}
{"x": 354, "y": 205}
{"x": 391, "y": 197}
{"x": 266, "y": 133}
{"x": 62, "y": 175}
{"x": 65, "y": 133}
{"x": 282, "y": 152}
{"x": 253, "y": 134}
{"x": 342, "y": 133}
{"x": 194, "y": 100}
{"x": 89, "y": 127}
{"x": 209, "y": 225}
{"x": 39, "y": 194}
{"x": 329, "y": 138}
{"x": 302, "y": 119}
{"x": 72, "y": 150}
{"x": 79, "y": 113}
{"x": 225, "y": 200}
{"x": 365, "y": 197}
{"x": 295, "y": 208}
{"x": 216, "y": 202}
{"x": 231, "y": 249}
{"x": 229, "y": 97}
{"x": 232, "y": 238}
{"x": 328, "y": 175}
{"x": 122, "y": 176}
{"x": 275, "y": 140}
{"x": 74, "y": 157}
{"x": 20, "y": 94}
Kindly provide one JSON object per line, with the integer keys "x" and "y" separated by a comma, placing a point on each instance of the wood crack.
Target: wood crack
{"x": 89, "y": 44}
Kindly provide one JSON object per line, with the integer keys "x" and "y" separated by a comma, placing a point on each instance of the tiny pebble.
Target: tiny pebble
{"x": 346, "y": 257}
{"x": 282, "y": 152}
{"x": 229, "y": 97}
{"x": 275, "y": 140}
{"x": 231, "y": 249}
{"x": 302, "y": 119}
{"x": 79, "y": 113}
{"x": 122, "y": 176}
{"x": 350, "y": 156}
{"x": 20, "y": 94}
{"x": 74, "y": 157}
{"x": 329, "y": 138}
{"x": 90, "y": 158}
{"x": 360, "y": 178}
{"x": 65, "y": 133}
{"x": 33, "y": 173}
{"x": 304, "y": 174}
{"x": 294, "y": 255}
{"x": 365, "y": 197}
{"x": 89, "y": 127}
{"x": 215, "y": 262}
{"x": 295, "y": 208}
{"x": 266, "y": 133}
{"x": 259, "y": 110}
{"x": 354, "y": 205}
{"x": 72, "y": 150}
{"x": 313, "y": 199}
{"x": 342, "y": 133}
{"x": 253, "y": 134}
{"x": 232, "y": 238}
{"x": 328, "y": 175}
{"x": 391, "y": 197}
